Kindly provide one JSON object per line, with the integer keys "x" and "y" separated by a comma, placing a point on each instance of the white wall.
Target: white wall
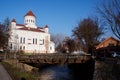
{"x": 40, "y": 47}
{"x": 52, "y": 47}
{"x": 29, "y": 23}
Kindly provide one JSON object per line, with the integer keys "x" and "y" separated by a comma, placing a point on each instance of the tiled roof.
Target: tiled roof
{"x": 39, "y": 28}
{"x": 46, "y": 26}
{"x": 104, "y": 41}
{"x": 109, "y": 39}
{"x": 19, "y": 24}
{"x": 31, "y": 29}
{"x": 30, "y": 13}
{"x": 13, "y": 20}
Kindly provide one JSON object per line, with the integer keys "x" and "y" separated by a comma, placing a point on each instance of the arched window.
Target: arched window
{"x": 36, "y": 40}
{"x": 33, "y": 40}
{"x": 21, "y": 40}
{"x": 24, "y": 40}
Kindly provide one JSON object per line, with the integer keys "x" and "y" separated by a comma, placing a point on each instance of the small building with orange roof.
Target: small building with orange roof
{"x": 110, "y": 41}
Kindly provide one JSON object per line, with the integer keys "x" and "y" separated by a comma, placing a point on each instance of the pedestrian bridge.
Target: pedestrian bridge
{"x": 53, "y": 58}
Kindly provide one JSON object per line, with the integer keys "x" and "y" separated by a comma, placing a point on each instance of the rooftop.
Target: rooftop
{"x": 30, "y": 13}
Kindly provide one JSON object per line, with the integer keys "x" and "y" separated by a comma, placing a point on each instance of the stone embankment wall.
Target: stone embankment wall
{"x": 23, "y": 67}
{"x": 107, "y": 70}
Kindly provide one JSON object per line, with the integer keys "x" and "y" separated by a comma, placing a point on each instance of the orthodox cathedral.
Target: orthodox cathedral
{"x": 28, "y": 37}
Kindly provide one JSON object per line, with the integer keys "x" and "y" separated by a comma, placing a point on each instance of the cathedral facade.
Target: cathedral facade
{"x": 28, "y": 37}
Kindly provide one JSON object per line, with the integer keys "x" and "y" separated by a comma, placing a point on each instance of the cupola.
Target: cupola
{"x": 46, "y": 29}
{"x": 13, "y": 20}
{"x": 30, "y": 20}
{"x": 30, "y": 13}
{"x": 13, "y": 23}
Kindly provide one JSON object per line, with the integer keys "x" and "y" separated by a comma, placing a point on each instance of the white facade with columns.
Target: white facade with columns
{"x": 30, "y": 38}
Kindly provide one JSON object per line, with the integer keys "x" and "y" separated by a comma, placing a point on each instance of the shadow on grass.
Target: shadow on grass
{"x": 17, "y": 74}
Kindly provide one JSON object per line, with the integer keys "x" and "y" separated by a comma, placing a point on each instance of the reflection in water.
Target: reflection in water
{"x": 74, "y": 71}
{"x": 60, "y": 72}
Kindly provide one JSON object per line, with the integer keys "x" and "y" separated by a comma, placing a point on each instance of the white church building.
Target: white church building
{"x": 28, "y": 37}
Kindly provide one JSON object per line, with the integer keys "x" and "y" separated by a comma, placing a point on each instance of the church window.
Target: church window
{"x": 43, "y": 41}
{"x": 24, "y": 40}
{"x": 21, "y": 40}
{"x": 36, "y": 40}
{"x": 33, "y": 21}
{"x": 33, "y": 40}
{"x": 29, "y": 20}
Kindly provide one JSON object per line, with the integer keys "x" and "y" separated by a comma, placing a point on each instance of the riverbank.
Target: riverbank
{"x": 108, "y": 69}
{"x": 17, "y": 74}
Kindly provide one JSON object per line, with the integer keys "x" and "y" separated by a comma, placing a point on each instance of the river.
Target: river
{"x": 57, "y": 72}
{"x": 75, "y": 71}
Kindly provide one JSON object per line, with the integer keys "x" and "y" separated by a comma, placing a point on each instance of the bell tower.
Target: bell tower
{"x": 30, "y": 20}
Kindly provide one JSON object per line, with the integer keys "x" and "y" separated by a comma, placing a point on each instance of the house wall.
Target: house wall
{"x": 30, "y": 41}
{"x": 108, "y": 42}
{"x": 34, "y": 41}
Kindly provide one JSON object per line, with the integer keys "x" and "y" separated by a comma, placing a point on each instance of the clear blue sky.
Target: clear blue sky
{"x": 60, "y": 15}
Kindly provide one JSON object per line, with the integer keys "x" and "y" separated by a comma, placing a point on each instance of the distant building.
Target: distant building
{"x": 110, "y": 41}
{"x": 107, "y": 47}
{"x": 30, "y": 38}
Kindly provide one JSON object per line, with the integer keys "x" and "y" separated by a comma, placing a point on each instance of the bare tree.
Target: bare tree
{"x": 71, "y": 44}
{"x": 6, "y": 24}
{"x": 3, "y": 33}
{"x": 88, "y": 31}
{"x": 110, "y": 12}
{"x": 57, "y": 39}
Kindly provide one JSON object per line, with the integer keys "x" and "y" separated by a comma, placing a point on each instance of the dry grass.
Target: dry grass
{"x": 16, "y": 73}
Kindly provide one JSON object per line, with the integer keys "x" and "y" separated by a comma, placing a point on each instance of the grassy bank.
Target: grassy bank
{"x": 17, "y": 74}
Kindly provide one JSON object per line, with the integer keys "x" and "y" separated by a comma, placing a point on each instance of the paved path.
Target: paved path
{"x": 4, "y": 74}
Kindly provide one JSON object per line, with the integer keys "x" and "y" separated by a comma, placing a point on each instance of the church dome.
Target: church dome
{"x": 30, "y": 19}
{"x": 30, "y": 13}
{"x": 13, "y": 20}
